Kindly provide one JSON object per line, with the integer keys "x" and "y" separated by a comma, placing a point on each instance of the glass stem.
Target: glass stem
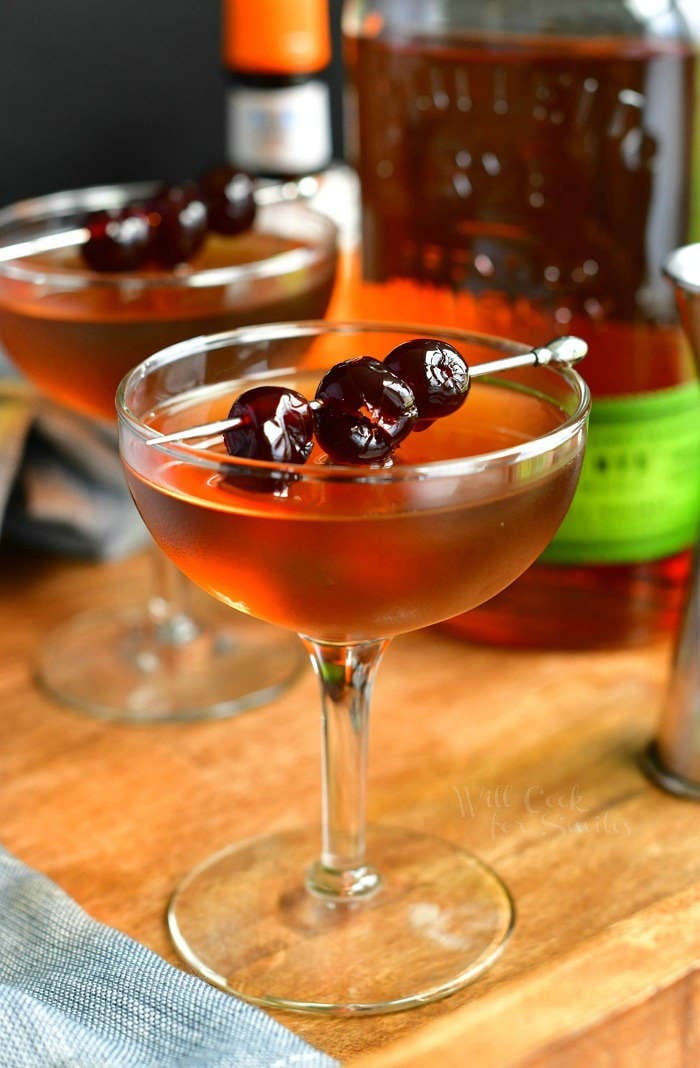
{"x": 346, "y": 674}
{"x": 170, "y": 603}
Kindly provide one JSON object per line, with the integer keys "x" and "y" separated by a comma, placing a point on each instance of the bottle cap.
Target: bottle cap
{"x": 276, "y": 36}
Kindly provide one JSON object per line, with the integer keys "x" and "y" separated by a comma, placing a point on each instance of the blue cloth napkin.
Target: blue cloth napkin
{"x": 62, "y": 487}
{"x": 77, "y": 994}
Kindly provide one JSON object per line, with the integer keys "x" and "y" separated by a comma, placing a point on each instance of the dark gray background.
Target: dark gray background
{"x": 111, "y": 90}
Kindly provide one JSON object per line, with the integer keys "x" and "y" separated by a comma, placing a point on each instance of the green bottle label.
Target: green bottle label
{"x": 639, "y": 494}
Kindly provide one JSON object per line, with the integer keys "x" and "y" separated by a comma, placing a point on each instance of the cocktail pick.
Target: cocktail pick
{"x": 46, "y": 243}
{"x": 561, "y": 351}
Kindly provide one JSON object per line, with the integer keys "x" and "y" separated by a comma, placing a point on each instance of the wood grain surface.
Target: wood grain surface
{"x": 529, "y": 759}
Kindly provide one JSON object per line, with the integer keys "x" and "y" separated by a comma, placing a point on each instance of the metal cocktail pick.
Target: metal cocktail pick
{"x": 673, "y": 759}
{"x": 561, "y": 351}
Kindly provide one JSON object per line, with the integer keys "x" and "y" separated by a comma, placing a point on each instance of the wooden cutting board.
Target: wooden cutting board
{"x": 529, "y": 759}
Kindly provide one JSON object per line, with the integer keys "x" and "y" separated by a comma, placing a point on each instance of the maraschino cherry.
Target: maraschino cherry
{"x": 229, "y": 196}
{"x": 364, "y": 411}
{"x": 178, "y": 223}
{"x": 119, "y": 239}
{"x": 275, "y": 424}
{"x": 437, "y": 374}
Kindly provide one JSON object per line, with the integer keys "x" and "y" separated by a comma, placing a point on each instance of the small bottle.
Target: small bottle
{"x": 278, "y": 110}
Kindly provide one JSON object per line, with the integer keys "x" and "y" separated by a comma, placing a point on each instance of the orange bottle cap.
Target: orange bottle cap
{"x": 276, "y": 36}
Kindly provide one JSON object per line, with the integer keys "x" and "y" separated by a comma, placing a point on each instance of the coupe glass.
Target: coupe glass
{"x": 377, "y": 919}
{"x": 75, "y": 333}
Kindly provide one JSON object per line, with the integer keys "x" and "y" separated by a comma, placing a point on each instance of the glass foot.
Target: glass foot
{"x": 118, "y": 666}
{"x": 245, "y": 922}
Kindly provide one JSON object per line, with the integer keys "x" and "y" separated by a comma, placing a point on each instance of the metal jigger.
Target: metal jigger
{"x": 673, "y": 759}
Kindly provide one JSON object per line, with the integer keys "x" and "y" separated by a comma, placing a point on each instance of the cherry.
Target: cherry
{"x": 437, "y": 374}
{"x": 229, "y": 196}
{"x": 178, "y": 223}
{"x": 364, "y": 411}
{"x": 118, "y": 239}
{"x": 276, "y": 424}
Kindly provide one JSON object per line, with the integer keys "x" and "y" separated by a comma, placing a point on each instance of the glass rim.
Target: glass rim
{"x": 365, "y": 473}
{"x": 112, "y": 195}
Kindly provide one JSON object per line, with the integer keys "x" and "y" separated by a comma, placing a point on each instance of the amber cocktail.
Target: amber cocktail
{"x": 349, "y": 556}
{"x": 345, "y": 559}
{"x": 75, "y": 332}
